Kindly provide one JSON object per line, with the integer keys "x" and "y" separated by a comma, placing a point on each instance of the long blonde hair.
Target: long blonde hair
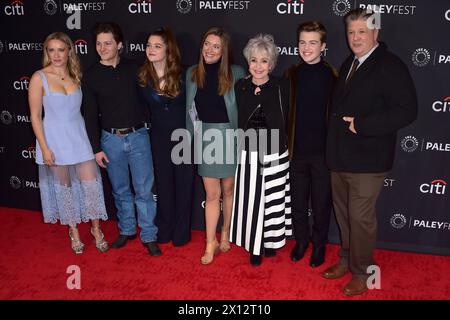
{"x": 73, "y": 63}
{"x": 225, "y": 73}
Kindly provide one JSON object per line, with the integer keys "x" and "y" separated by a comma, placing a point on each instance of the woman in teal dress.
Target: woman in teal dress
{"x": 211, "y": 110}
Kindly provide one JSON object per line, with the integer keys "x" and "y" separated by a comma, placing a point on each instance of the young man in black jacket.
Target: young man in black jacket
{"x": 115, "y": 122}
{"x": 311, "y": 83}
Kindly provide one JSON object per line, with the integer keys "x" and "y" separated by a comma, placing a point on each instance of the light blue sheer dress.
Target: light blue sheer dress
{"x": 71, "y": 191}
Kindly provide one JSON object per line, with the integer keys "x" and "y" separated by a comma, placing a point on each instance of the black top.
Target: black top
{"x": 111, "y": 95}
{"x": 210, "y": 106}
{"x": 166, "y": 113}
{"x": 257, "y": 119}
{"x": 273, "y": 108}
{"x": 314, "y": 86}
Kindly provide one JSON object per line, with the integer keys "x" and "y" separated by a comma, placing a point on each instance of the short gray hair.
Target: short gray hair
{"x": 262, "y": 42}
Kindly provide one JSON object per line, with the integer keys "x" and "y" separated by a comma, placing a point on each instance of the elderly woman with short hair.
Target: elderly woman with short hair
{"x": 261, "y": 218}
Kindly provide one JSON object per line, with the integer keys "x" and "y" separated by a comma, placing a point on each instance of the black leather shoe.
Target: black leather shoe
{"x": 317, "y": 256}
{"x": 270, "y": 252}
{"x": 299, "y": 251}
{"x": 255, "y": 260}
{"x": 121, "y": 241}
{"x": 152, "y": 248}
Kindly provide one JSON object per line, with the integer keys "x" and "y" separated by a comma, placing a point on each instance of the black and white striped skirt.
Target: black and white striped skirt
{"x": 262, "y": 202}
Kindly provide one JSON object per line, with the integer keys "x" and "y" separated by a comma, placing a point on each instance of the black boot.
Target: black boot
{"x": 268, "y": 252}
{"x": 317, "y": 256}
{"x": 299, "y": 251}
{"x": 255, "y": 260}
{"x": 152, "y": 248}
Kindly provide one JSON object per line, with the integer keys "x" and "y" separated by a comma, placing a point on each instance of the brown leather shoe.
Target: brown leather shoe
{"x": 356, "y": 286}
{"x": 335, "y": 271}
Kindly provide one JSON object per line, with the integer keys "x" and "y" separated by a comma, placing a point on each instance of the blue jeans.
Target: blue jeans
{"x": 132, "y": 152}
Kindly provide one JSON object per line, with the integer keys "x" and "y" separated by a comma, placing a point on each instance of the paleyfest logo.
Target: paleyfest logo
{"x": 421, "y": 57}
{"x": 6, "y": 117}
{"x": 184, "y": 6}
{"x": 50, "y": 7}
{"x": 398, "y": 221}
{"x": 341, "y": 7}
{"x": 409, "y": 144}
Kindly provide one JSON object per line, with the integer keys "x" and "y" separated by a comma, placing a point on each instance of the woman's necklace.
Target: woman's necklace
{"x": 258, "y": 88}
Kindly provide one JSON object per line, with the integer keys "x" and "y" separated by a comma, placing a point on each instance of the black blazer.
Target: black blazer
{"x": 276, "y": 112}
{"x": 381, "y": 96}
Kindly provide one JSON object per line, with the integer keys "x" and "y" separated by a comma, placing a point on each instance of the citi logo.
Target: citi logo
{"x": 15, "y": 9}
{"x": 441, "y": 106}
{"x": 435, "y": 187}
{"x": 291, "y": 7}
{"x": 140, "y": 6}
{"x": 29, "y": 153}
{"x": 81, "y": 46}
{"x": 22, "y": 83}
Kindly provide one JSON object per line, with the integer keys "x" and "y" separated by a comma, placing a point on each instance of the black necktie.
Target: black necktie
{"x": 352, "y": 70}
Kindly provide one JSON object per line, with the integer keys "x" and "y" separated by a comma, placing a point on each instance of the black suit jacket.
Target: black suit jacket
{"x": 381, "y": 96}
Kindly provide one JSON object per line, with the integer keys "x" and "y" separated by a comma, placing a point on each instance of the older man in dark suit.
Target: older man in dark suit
{"x": 375, "y": 96}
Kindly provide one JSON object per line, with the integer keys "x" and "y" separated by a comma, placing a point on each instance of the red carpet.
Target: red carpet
{"x": 35, "y": 257}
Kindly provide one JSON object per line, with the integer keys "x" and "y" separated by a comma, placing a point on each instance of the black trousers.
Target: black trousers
{"x": 310, "y": 179}
{"x": 174, "y": 188}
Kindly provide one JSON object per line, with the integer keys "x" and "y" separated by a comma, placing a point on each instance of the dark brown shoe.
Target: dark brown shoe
{"x": 356, "y": 286}
{"x": 335, "y": 271}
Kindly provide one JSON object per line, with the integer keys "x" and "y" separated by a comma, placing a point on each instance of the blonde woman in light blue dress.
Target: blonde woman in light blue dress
{"x": 69, "y": 179}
